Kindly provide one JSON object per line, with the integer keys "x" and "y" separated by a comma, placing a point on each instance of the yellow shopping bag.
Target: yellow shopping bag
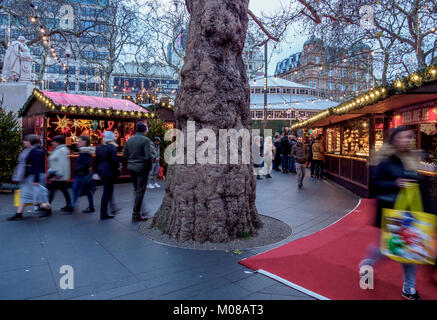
{"x": 408, "y": 234}
{"x": 17, "y": 194}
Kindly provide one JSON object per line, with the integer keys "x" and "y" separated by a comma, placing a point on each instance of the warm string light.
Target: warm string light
{"x": 88, "y": 110}
{"x": 413, "y": 80}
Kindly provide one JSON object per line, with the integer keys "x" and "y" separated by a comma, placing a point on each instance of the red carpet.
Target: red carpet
{"x": 326, "y": 263}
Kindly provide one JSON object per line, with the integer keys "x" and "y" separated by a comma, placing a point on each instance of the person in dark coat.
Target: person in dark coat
{"x": 277, "y": 145}
{"x": 30, "y": 174}
{"x": 107, "y": 168}
{"x": 392, "y": 168}
{"x": 82, "y": 181}
{"x": 139, "y": 154}
{"x": 285, "y": 152}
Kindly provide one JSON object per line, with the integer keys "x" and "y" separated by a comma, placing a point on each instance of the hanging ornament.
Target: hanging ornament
{"x": 76, "y": 124}
{"x": 110, "y": 125}
{"x": 84, "y": 124}
{"x": 428, "y": 128}
{"x": 116, "y": 134}
{"x": 62, "y": 124}
{"x": 95, "y": 124}
{"x": 102, "y": 124}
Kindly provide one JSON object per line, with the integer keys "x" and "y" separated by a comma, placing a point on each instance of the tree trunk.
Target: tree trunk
{"x": 212, "y": 202}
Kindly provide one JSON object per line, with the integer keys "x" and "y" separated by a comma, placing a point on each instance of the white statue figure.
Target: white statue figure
{"x": 17, "y": 66}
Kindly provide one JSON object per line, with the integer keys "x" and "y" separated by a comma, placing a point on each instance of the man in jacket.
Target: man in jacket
{"x": 300, "y": 154}
{"x": 138, "y": 152}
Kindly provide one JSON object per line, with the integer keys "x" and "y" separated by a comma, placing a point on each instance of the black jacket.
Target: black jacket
{"x": 106, "y": 161}
{"x": 35, "y": 163}
{"x": 285, "y": 146}
{"x": 83, "y": 163}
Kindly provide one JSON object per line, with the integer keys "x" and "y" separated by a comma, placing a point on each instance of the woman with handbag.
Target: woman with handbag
{"x": 107, "y": 167}
{"x": 30, "y": 174}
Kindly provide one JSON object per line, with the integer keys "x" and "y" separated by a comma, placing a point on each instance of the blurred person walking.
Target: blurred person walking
{"x": 285, "y": 153}
{"x": 300, "y": 153}
{"x": 392, "y": 168}
{"x": 83, "y": 184}
{"x": 59, "y": 172}
{"x": 277, "y": 152}
{"x": 292, "y": 165}
{"x": 107, "y": 167}
{"x": 30, "y": 175}
{"x": 318, "y": 156}
{"x": 138, "y": 152}
{"x": 155, "y": 154}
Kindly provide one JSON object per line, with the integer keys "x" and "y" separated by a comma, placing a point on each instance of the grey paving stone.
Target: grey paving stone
{"x": 26, "y": 283}
{"x": 282, "y": 289}
{"x": 113, "y": 261}
{"x": 22, "y": 257}
{"x": 255, "y": 283}
{"x": 113, "y": 293}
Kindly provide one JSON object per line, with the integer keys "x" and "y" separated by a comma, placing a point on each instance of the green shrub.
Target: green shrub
{"x": 10, "y": 144}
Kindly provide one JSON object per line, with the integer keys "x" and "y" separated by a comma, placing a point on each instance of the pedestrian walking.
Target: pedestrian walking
{"x": 285, "y": 152}
{"x": 59, "y": 172}
{"x": 277, "y": 152}
{"x": 155, "y": 154}
{"x": 310, "y": 157}
{"x": 138, "y": 152}
{"x": 30, "y": 175}
{"x": 268, "y": 152}
{"x": 300, "y": 153}
{"x": 393, "y": 167}
{"x": 107, "y": 167}
{"x": 292, "y": 140}
{"x": 257, "y": 154}
{"x": 318, "y": 156}
{"x": 83, "y": 183}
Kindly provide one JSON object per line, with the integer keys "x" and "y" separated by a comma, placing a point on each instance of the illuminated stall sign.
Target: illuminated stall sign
{"x": 416, "y": 115}
{"x": 135, "y": 85}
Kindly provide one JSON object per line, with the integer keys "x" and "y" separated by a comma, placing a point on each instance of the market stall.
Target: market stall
{"x": 49, "y": 114}
{"x": 354, "y": 130}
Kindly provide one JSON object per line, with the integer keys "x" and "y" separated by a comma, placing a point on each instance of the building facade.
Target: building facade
{"x": 339, "y": 73}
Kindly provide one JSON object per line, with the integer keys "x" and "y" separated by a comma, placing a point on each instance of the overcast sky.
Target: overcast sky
{"x": 291, "y": 44}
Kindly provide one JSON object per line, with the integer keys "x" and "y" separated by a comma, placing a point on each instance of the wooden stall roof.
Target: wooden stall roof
{"x": 417, "y": 88}
{"x": 85, "y": 105}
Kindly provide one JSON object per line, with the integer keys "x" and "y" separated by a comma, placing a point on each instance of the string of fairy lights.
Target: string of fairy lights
{"x": 45, "y": 37}
{"x": 82, "y": 110}
{"x": 399, "y": 86}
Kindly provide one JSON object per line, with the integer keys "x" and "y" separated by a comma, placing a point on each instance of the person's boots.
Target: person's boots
{"x": 89, "y": 210}
{"x": 47, "y": 213}
{"x": 16, "y": 217}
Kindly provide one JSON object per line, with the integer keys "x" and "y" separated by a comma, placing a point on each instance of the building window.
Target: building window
{"x": 330, "y": 86}
{"x": 310, "y": 83}
{"x": 331, "y": 73}
{"x": 317, "y": 60}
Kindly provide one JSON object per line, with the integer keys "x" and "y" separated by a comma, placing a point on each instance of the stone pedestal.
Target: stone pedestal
{"x": 13, "y": 95}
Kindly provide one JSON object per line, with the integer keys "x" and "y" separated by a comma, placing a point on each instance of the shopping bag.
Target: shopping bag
{"x": 161, "y": 173}
{"x": 41, "y": 194}
{"x": 17, "y": 194}
{"x": 408, "y": 234}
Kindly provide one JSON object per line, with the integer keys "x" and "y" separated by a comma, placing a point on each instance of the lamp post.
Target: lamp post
{"x": 68, "y": 55}
{"x": 265, "y": 87}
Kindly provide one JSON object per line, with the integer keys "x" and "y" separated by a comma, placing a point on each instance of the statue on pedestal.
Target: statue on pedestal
{"x": 17, "y": 65}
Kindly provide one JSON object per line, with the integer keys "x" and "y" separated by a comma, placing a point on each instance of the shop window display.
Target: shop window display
{"x": 334, "y": 140}
{"x": 356, "y": 138}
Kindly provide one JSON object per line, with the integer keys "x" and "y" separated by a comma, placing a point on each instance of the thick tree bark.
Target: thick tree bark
{"x": 212, "y": 202}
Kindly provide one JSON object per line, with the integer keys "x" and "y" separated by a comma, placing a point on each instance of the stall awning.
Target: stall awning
{"x": 82, "y": 104}
{"x": 416, "y": 89}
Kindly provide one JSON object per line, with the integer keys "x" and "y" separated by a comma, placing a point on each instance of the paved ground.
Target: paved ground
{"x": 111, "y": 260}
